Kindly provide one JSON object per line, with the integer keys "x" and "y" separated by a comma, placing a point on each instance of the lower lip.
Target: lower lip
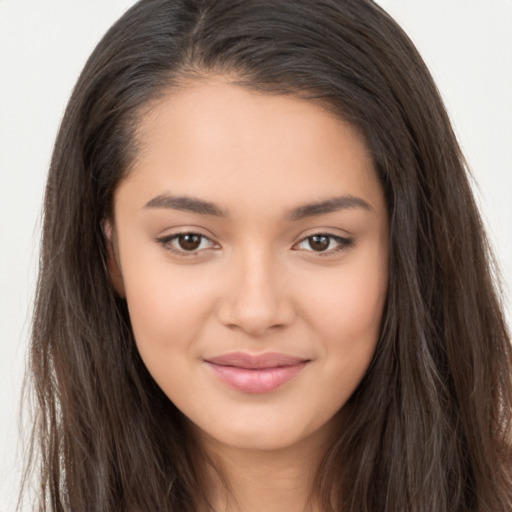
{"x": 261, "y": 380}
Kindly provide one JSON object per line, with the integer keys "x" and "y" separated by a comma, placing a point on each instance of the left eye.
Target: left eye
{"x": 323, "y": 243}
{"x": 186, "y": 242}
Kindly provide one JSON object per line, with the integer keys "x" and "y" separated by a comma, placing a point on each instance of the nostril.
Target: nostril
{"x": 254, "y": 299}
{"x": 255, "y": 321}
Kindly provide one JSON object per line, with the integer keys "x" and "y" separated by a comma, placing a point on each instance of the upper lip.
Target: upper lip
{"x": 255, "y": 362}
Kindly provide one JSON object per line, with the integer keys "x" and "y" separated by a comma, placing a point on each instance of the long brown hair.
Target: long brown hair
{"x": 430, "y": 424}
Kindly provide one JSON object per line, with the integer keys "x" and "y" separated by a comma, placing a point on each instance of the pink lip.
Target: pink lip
{"x": 256, "y": 373}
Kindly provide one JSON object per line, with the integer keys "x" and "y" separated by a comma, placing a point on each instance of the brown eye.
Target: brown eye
{"x": 324, "y": 244}
{"x": 319, "y": 242}
{"x": 189, "y": 241}
{"x": 186, "y": 244}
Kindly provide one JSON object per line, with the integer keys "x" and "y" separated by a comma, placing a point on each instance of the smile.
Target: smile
{"x": 256, "y": 374}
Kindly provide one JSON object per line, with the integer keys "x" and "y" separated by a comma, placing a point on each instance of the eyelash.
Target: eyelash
{"x": 166, "y": 243}
{"x": 342, "y": 243}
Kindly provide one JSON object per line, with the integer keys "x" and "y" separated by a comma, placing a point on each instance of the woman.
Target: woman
{"x": 264, "y": 282}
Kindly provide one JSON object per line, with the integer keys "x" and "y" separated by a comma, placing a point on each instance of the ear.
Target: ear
{"x": 113, "y": 265}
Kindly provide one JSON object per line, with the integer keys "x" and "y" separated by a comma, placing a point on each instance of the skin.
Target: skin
{"x": 255, "y": 283}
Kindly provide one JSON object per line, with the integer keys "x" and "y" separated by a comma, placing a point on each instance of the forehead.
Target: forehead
{"x": 216, "y": 138}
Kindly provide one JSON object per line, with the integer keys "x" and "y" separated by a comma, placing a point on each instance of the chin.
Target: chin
{"x": 267, "y": 436}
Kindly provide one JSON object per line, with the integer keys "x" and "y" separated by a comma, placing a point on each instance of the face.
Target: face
{"x": 250, "y": 242}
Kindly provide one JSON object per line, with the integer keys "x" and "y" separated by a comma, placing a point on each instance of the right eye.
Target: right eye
{"x": 186, "y": 244}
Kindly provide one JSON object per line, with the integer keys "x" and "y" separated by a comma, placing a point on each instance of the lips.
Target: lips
{"x": 262, "y": 373}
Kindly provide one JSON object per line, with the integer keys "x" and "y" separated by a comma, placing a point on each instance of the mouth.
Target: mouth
{"x": 262, "y": 373}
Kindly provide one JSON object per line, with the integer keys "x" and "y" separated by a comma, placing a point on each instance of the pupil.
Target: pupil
{"x": 319, "y": 242}
{"x": 189, "y": 242}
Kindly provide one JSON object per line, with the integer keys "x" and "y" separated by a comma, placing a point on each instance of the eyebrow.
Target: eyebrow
{"x": 334, "y": 204}
{"x": 186, "y": 204}
{"x": 195, "y": 205}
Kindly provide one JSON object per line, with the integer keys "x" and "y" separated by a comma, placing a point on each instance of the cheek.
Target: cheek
{"x": 168, "y": 306}
{"x": 168, "y": 311}
{"x": 355, "y": 311}
{"x": 348, "y": 332}
{"x": 347, "y": 316}
{"x": 348, "y": 307}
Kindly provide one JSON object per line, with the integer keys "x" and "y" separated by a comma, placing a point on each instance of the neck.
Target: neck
{"x": 252, "y": 480}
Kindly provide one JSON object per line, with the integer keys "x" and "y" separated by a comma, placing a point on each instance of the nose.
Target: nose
{"x": 256, "y": 299}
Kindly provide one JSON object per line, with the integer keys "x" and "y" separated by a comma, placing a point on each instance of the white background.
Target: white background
{"x": 43, "y": 46}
